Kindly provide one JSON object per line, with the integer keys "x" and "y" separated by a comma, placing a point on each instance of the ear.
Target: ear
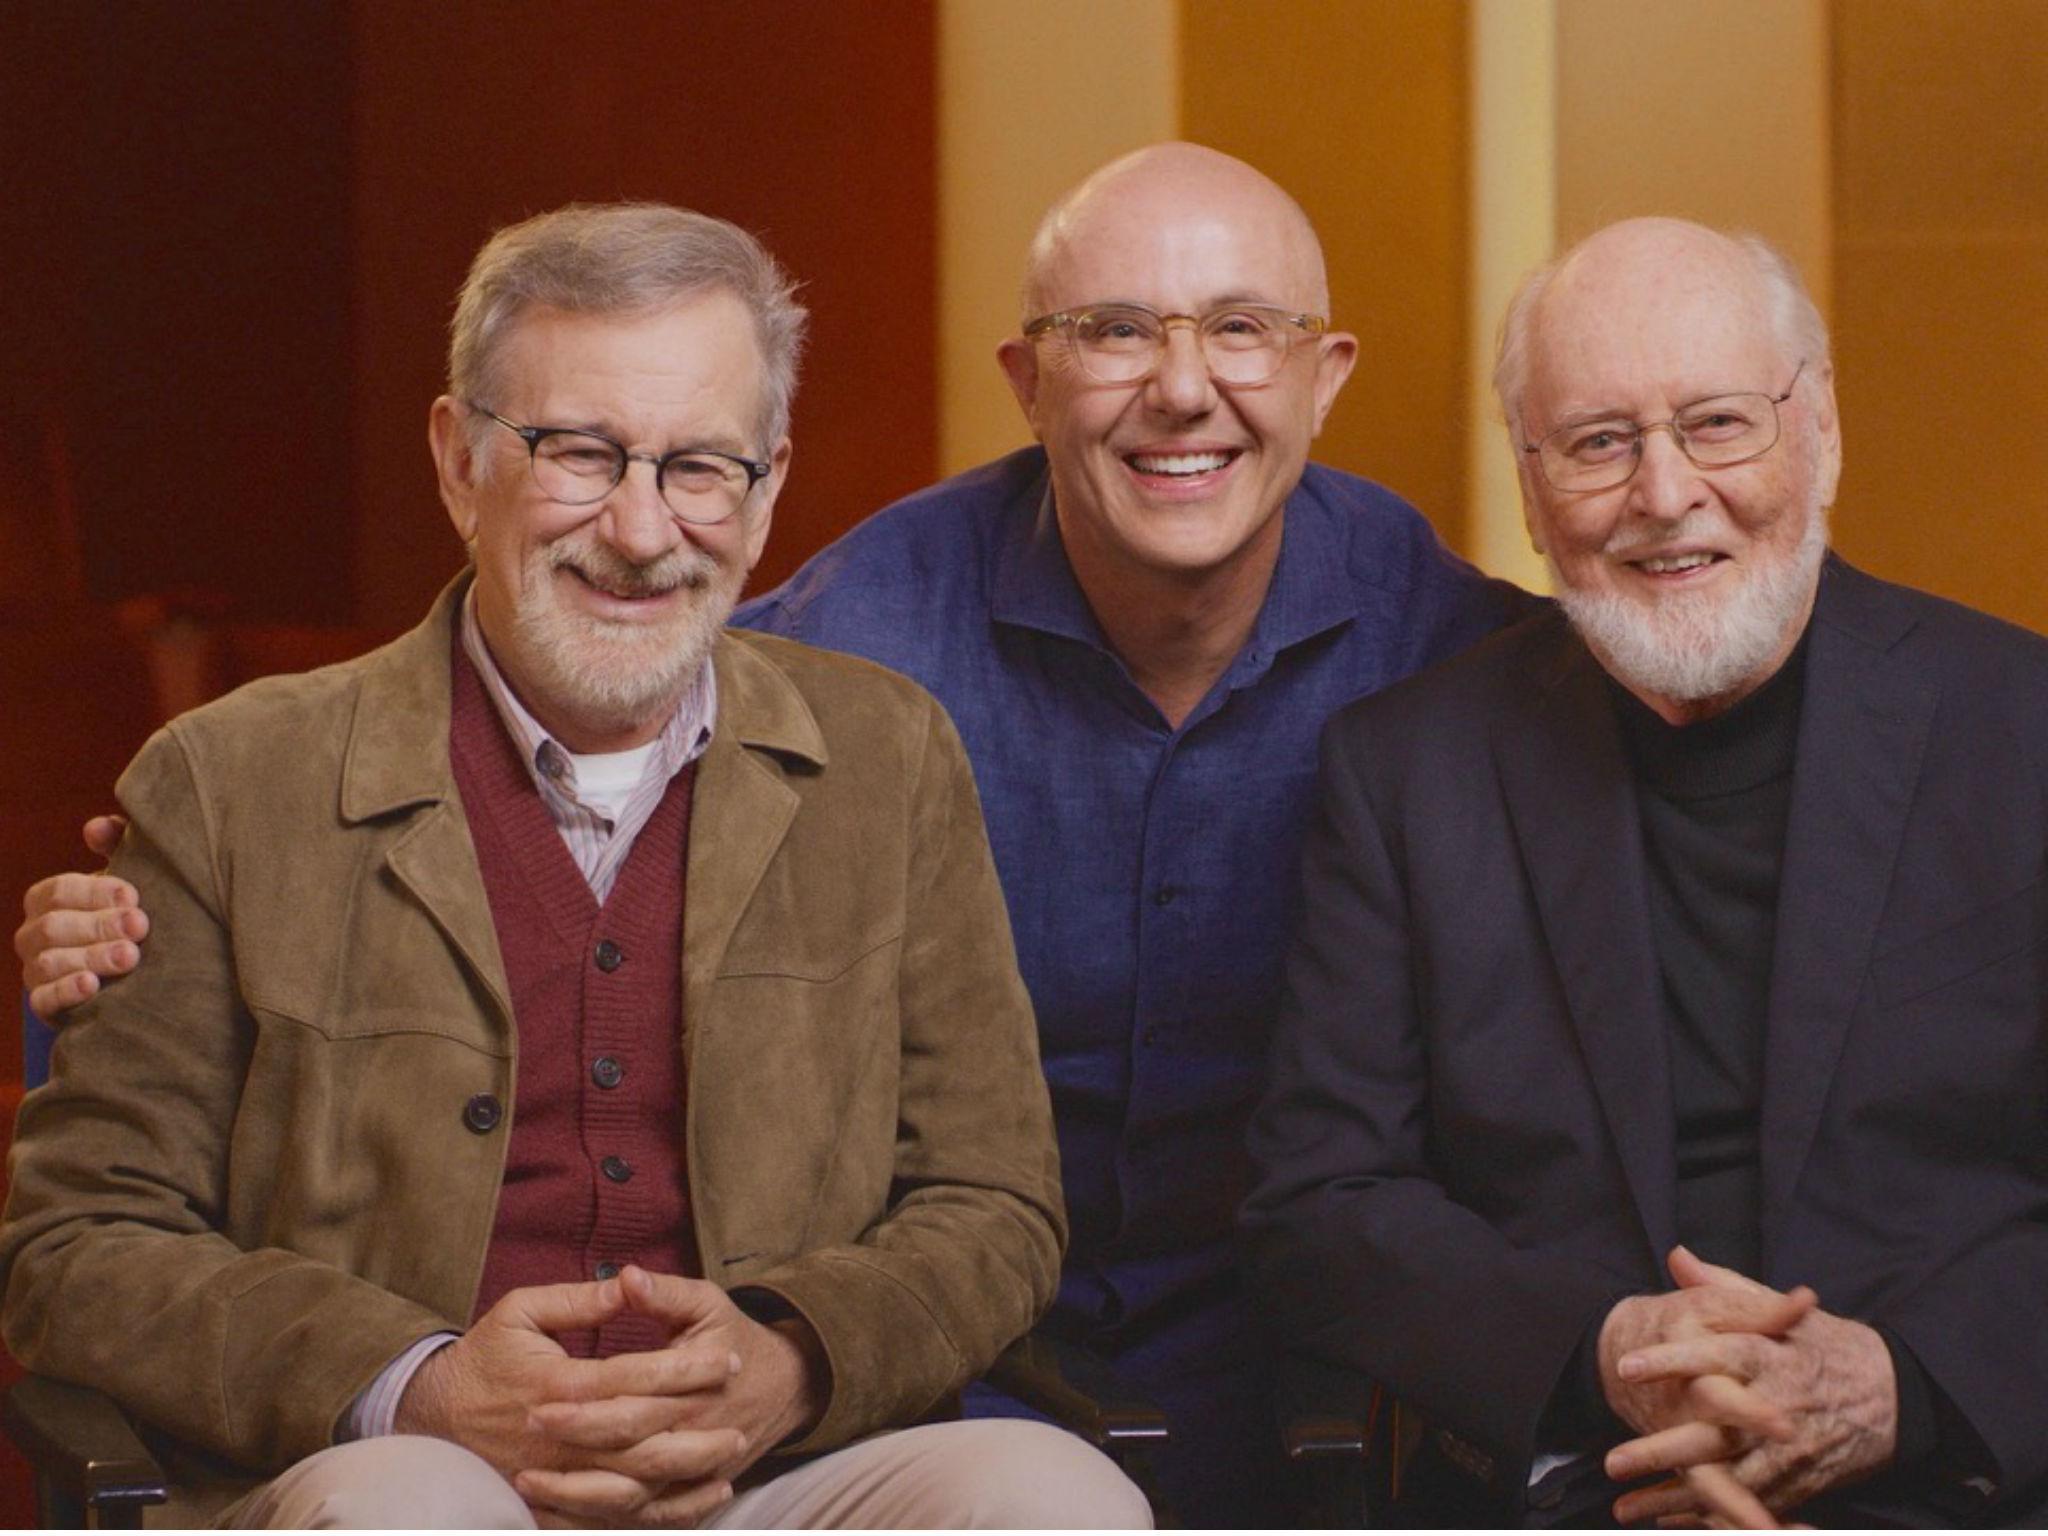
{"x": 1019, "y": 360}
{"x": 1336, "y": 356}
{"x": 1526, "y": 469}
{"x": 1827, "y": 427}
{"x": 455, "y": 463}
{"x": 761, "y": 505}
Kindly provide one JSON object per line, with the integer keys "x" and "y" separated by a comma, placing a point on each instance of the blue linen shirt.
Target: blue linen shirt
{"x": 1151, "y": 879}
{"x": 1150, "y": 871}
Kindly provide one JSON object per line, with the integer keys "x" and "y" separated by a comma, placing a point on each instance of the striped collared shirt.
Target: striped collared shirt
{"x": 598, "y": 841}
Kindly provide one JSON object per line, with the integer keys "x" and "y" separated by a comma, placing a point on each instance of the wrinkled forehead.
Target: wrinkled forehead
{"x": 1649, "y": 334}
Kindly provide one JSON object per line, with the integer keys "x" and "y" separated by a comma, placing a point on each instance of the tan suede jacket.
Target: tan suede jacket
{"x": 250, "y": 1183}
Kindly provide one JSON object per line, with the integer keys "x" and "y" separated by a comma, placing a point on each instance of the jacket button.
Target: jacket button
{"x": 1164, "y": 896}
{"x": 606, "y": 1072}
{"x": 482, "y": 1113}
{"x": 617, "y": 1169}
{"x": 609, "y": 956}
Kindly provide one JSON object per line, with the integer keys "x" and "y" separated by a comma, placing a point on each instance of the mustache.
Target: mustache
{"x": 603, "y": 566}
{"x": 1626, "y": 543}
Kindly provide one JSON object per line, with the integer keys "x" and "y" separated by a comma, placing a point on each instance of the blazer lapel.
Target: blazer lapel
{"x": 1571, "y": 797}
{"x": 1862, "y": 730}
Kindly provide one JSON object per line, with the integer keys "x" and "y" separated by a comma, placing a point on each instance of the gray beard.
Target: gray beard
{"x": 1695, "y": 646}
{"x": 616, "y": 677}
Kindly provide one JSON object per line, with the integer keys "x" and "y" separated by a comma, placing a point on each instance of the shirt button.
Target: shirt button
{"x": 617, "y": 1169}
{"x": 606, "y": 1271}
{"x": 606, "y": 1072}
{"x": 1165, "y": 895}
{"x": 609, "y": 956}
{"x": 482, "y": 1113}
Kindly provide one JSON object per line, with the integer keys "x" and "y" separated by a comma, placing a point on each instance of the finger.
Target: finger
{"x": 1723, "y": 1495}
{"x": 613, "y": 1423}
{"x": 1767, "y": 1310}
{"x": 115, "y": 957}
{"x": 677, "y": 1455}
{"x": 1670, "y": 1502}
{"x": 1725, "y": 1401}
{"x": 102, "y": 834}
{"x": 551, "y": 1520}
{"x": 1670, "y": 1450}
{"x": 77, "y": 892}
{"x": 74, "y": 927}
{"x": 677, "y": 1301}
{"x": 1683, "y": 1503}
{"x": 689, "y": 1506}
{"x": 1689, "y": 1270}
{"x": 587, "y": 1493}
{"x": 560, "y": 1308}
{"x": 675, "y": 1372}
{"x": 1735, "y": 1355}
{"x": 53, "y": 997}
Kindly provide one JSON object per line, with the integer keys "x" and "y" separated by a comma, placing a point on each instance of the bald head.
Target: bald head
{"x": 1171, "y": 201}
{"x": 1629, "y": 271}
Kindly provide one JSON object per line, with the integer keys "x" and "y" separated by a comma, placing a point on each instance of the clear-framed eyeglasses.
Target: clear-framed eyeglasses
{"x": 578, "y": 468}
{"x": 1123, "y": 343}
{"x": 1715, "y": 433}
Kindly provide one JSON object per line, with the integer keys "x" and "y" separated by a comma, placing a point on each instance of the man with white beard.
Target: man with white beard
{"x": 1661, "y": 1099}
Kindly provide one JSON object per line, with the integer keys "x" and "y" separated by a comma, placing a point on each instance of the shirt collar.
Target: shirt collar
{"x": 683, "y": 739}
{"x": 1313, "y": 588}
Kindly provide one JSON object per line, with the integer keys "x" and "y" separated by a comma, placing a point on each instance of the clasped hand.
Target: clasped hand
{"x": 646, "y": 1439}
{"x": 1754, "y": 1400}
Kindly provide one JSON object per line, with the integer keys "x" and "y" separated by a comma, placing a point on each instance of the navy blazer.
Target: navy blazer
{"x": 1467, "y": 1151}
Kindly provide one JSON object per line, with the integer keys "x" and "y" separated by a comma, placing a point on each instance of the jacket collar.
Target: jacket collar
{"x": 398, "y": 742}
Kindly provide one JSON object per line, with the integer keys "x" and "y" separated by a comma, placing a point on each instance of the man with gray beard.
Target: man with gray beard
{"x": 587, "y": 1078}
{"x": 1661, "y": 1098}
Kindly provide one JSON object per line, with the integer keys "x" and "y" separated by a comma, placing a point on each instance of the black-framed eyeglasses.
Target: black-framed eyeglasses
{"x": 1715, "y": 433}
{"x": 1123, "y": 343}
{"x": 578, "y": 468}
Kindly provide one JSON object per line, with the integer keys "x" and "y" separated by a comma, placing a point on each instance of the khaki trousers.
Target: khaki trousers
{"x": 972, "y": 1474}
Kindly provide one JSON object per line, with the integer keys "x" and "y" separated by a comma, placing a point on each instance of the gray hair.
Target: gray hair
{"x": 622, "y": 259}
{"x": 1794, "y": 319}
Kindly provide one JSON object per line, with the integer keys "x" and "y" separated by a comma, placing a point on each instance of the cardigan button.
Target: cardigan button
{"x": 606, "y": 1072}
{"x": 606, "y": 1271}
{"x": 609, "y": 956}
{"x": 617, "y": 1169}
{"x": 482, "y": 1113}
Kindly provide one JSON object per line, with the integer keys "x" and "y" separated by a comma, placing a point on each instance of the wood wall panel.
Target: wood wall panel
{"x": 174, "y": 302}
{"x": 1941, "y": 288}
{"x": 811, "y": 125}
{"x": 1360, "y": 112}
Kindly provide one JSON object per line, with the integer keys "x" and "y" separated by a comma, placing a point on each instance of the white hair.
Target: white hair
{"x": 1795, "y": 319}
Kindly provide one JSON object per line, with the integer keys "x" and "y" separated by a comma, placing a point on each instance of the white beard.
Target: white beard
{"x": 1691, "y": 646}
{"x": 615, "y": 675}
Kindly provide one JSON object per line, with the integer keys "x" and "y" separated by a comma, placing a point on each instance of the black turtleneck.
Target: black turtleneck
{"x": 1714, "y": 799}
